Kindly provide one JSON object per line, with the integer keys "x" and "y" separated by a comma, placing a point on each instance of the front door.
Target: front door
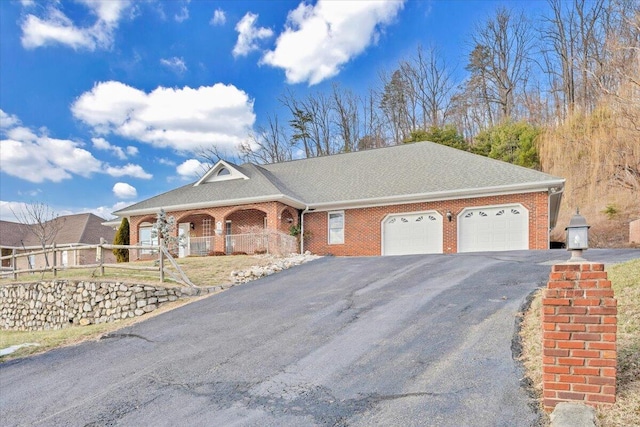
{"x": 183, "y": 239}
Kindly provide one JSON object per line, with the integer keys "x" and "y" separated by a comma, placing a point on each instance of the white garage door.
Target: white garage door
{"x": 412, "y": 233}
{"x": 494, "y": 228}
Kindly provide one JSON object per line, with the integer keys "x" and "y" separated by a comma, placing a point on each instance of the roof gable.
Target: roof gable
{"x": 221, "y": 171}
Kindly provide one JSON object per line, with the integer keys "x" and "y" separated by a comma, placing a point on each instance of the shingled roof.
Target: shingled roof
{"x": 81, "y": 228}
{"x": 397, "y": 174}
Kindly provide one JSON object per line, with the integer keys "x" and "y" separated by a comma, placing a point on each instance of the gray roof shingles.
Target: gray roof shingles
{"x": 412, "y": 169}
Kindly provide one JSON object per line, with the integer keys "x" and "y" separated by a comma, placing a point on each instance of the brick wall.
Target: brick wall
{"x": 579, "y": 323}
{"x": 363, "y": 227}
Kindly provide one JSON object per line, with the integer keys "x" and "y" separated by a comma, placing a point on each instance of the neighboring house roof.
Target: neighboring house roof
{"x": 10, "y": 233}
{"x": 81, "y": 228}
{"x": 398, "y": 174}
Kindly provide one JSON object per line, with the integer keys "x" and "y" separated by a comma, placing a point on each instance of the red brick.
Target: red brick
{"x": 566, "y": 267}
{"x": 600, "y": 293}
{"x": 549, "y": 403}
{"x": 570, "y": 344}
{"x": 609, "y": 320}
{"x": 569, "y": 395}
{"x": 556, "y": 386}
{"x": 608, "y": 372}
{"x": 548, "y": 360}
{"x": 571, "y": 327}
{"x": 587, "y": 284}
{"x": 585, "y": 353}
{"x": 597, "y": 267}
{"x": 608, "y": 354}
{"x": 583, "y": 370}
{"x": 549, "y": 393}
{"x": 572, "y": 361}
{"x": 609, "y": 337}
{"x": 601, "y": 380}
{"x": 586, "y": 388}
{"x": 601, "y": 345}
{"x": 572, "y": 379}
{"x": 555, "y": 352}
{"x": 609, "y": 389}
{"x": 593, "y": 275}
{"x": 548, "y": 343}
{"x": 560, "y": 284}
{"x": 548, "y": 310}
{"x": 601, "y": 362}
{"x": 604, "y": 283}
{"x": 548, "y": 326}
{"x": 601, "y": 398}
{"x": 602, "y": 310}
{"x": 556, "y": 301}
{"x": 586, "y": 319}
{"x": 571, "y": 310}
{"x": 602, "y": 328}
{"x": 553, "y": 369}
{"x": 610, "y": 302}
{"x": 585, "y": 301}
{"x": 585, "y": 336}
{"x": 556, "y": 335}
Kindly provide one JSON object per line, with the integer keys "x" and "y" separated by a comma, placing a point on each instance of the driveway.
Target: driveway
{"x": 413, "y": 340}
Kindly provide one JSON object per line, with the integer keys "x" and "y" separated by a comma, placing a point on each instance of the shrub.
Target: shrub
{"x": 122, "y": 238}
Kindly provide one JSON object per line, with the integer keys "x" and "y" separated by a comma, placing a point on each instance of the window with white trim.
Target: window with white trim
{"x": 336, "y": 228}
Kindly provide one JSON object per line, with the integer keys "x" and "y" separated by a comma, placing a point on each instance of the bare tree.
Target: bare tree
{"x": 268, "y": 144}
{"x": 347, "y": 117}
{"x": 430, "y": 82}
{"x": 500, "y": 59}
{"x": 40, "y": 219}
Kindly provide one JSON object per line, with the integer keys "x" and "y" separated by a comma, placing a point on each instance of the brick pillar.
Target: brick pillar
{"x": 579, "y": 336}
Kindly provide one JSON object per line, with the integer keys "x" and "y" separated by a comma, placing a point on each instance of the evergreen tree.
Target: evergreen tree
{"x": 122, "y": 238}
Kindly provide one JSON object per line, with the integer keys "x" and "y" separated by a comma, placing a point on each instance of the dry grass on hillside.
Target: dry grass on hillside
{"x": 599, "y": 155}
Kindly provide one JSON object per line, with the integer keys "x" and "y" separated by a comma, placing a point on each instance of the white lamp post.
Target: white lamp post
{"x": 577, "y": 236}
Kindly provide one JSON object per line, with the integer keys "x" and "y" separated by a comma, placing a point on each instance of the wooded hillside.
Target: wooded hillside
{"x": 559, "y": 92}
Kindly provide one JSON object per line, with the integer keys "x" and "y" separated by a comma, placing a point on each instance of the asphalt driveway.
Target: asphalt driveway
{"x": 413, "y": 340}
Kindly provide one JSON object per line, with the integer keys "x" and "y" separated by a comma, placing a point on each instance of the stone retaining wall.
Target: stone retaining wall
{"x": 56, "y": 304}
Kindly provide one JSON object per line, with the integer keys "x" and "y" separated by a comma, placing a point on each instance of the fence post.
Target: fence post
{"x": 54, "y": 262}
{"x": 161, "y": 261}
{"x": 101, "y": 250}
{"x": 14, "y": 265}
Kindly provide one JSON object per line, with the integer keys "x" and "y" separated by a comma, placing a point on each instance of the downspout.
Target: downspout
{"x": 306, "y": 209}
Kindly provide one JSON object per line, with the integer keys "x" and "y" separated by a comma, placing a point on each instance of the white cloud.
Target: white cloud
{"x": 38, "y": 157}
{"x": 57, "y": 28}
{"x": 132, "y": 151}
{"x": 8, "y": 120}
{"x": 190, "y": 168}
{"x": 183, "y": 15}
{"x": 135, "y": 171}
{"x": 122, "y": 190}
{"x": 249, "y": 34}
{"x": 104, "y": 145}
{"x": 219, "y": 17}
{"x": 319, "y": 39}
{"x": 175, "y": 64}
{"x": 184, "y": 119}
{"x": 165, "y": 161}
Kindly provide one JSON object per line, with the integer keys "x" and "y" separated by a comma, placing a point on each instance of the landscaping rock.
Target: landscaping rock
{"x": 278, "y": 264}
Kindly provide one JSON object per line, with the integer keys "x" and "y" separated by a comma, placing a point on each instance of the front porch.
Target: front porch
{"x": 254, "y": 229}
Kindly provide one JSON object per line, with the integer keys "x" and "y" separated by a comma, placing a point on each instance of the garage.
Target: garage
{"x": 493, "y": 228}
{"x": 412, "y": 233}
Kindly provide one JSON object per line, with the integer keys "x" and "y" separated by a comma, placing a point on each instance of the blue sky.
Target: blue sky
{"x": 102, "y": 103}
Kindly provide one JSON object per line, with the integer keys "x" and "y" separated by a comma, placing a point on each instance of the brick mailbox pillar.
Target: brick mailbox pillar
{"x": 579, "y": 321}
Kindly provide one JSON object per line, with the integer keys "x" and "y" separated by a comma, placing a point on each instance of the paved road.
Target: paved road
{"x": 414, "y": 340}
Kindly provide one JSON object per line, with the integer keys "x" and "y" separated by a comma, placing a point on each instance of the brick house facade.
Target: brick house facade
{"x": 413, "y": 198}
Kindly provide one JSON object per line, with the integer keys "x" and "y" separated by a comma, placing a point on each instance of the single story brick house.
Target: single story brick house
{"x": 408, "y": 199}
{"x": 74, "y": 231}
